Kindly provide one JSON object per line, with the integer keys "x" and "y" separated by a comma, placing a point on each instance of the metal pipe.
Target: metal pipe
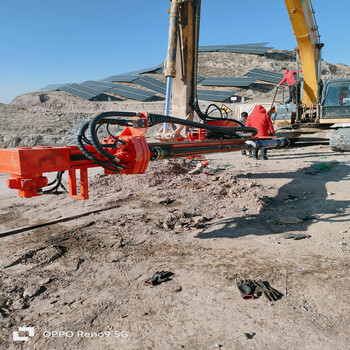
{"x": 167, "y": 151}
{"x": 160, "y": 151}
{"x": 169, "y": 68}
{"x": 298, "y": 63}
{"x": 167, "y": 101}
{"x": 275, "y": 143}
{"x": 195, "y": 45}
{"x": 298, "y": 87}
{"x": 273, "y": 101}
{"x": 319, "y": 71}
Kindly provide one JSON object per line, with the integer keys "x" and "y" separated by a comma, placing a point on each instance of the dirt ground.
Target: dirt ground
{"x": 87, "y": 275}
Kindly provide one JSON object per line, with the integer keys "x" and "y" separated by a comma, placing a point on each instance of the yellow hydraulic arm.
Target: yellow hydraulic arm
{"x": 305, "y": 29}
{"x": 181, "y": 63}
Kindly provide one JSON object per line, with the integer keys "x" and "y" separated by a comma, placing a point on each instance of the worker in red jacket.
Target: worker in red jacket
{"x": 260, "y": 120}
{"x": 289, "y": 78}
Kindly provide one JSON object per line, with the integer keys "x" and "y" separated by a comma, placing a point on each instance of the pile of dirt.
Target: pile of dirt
{"x": 227, "y": 64}
{"x": 62, "y": 102}
{"x": 173, "y": 178}
{"x": 53, "y": 119}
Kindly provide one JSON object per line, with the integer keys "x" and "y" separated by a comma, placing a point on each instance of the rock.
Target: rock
{"x": 19, "y": 318}
{"x": 295, "y": 236}
{"x": 198, "y": 220}
{"x": 45, "y": 281}
{"x": 29, "y": 292}
{"x": 287, "y": 201}
{"x": 178, "y": 289}
{"x": 289, "y": 220}
{"x": 33, "y": 291}
{"x": 223, "y": 192}
{"x": 17, "y": 304}
{"x": 167, "y": 201}
{"x": 4, "y": 312}
{"x": 3, "y": 301}
{"x": 249, "y": 335}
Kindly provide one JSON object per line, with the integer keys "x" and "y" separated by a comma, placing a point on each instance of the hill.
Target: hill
{"x": 53, "y": 118}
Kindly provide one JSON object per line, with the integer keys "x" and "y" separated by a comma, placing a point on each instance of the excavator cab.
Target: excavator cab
{"x": 335, "y": 102}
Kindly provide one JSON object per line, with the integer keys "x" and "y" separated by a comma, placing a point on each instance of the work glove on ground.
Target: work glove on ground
{"x": 263, "y": 287}
{"x": 247, "y": 288}
{"x": 158, "y": 278}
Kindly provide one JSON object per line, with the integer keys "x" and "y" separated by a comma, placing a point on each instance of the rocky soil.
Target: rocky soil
{"x": 209, "y": 230}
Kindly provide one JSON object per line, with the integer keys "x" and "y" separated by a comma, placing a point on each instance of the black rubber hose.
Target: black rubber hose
{"x": 112, "y": 136}
{"x": 208, "y": 117}
{"x": 93, "y": 125}
{"x": 196, "y": 108}
{"x": 57, "y": 182}
{"x": 154, "y": 119}
{"x": 80, "y": 137}
{"x": 215, "y": 107}
{"x": 205, "y": 116}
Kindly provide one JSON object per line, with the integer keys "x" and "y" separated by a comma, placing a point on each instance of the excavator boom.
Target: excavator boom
{"x": 306, "y": 33}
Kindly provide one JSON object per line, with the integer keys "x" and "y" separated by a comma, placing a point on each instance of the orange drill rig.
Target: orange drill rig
{"x": 125, "y": 153}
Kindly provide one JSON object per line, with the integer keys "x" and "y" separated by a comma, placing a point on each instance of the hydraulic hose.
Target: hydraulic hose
{"x": 157, "y": 119}
{"x": 98, "y": 119}
{"x": 57, "y": 183}
{"x": 111, "y": 118}
{"x": 80, "y": 137}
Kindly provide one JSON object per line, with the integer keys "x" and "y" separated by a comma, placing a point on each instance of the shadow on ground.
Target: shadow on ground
{"x": 304, "y": 197}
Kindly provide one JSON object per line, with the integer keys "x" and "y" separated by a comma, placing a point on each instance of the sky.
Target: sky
{"x": 71, "y": 41}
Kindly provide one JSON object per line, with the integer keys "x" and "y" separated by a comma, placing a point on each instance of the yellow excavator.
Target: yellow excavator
{"x": 320, "y": 105}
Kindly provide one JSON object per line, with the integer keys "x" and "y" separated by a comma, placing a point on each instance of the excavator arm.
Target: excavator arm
{"x": 306, "y": 33}
{"x": 181, "y": 62}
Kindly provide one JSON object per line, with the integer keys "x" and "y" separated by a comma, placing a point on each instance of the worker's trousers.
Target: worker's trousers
{"x": 263, "y": 153}
{"x": 292, "y": 94}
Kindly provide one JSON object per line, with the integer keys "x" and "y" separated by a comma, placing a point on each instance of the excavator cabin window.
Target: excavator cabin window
{"x": 337, "y": 95}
